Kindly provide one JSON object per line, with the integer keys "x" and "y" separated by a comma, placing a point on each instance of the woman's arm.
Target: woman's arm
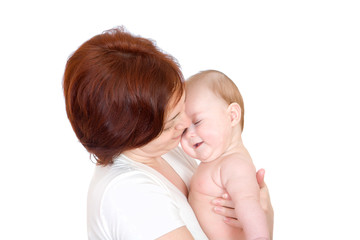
{"x": 225, "y": 207}
{"x": 181, "y": 233}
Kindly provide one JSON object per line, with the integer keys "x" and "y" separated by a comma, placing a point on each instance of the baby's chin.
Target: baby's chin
{"x": 192, "y": 154}
{"x": 202, "y": 158}
{"x": 205, "y": 160}
{"x": 208, "y": 157}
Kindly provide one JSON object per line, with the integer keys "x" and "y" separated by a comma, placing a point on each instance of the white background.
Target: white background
{"x": 297, "y": 64}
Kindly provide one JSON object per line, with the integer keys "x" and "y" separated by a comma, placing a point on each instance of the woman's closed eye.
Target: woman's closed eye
{"x": 184, "y": 131}
{"x": 168, "y": 128}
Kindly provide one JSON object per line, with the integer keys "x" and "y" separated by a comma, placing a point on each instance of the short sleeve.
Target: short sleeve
{"x": 136, "y": 206}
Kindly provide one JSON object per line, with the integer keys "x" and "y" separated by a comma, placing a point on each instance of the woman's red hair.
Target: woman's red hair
{"x": 117, "y": 88}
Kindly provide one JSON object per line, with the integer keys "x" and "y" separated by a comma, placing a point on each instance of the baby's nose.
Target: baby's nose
{"x": 189, "y": 132}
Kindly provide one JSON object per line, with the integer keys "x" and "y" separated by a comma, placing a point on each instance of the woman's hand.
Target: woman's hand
{"x": 265, "y": 200}
{"x": 225, "y": 207}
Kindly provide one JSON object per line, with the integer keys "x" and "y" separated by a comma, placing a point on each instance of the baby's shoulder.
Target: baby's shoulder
{"x": 236, "y": 156}
{"x": 235, "y": 161}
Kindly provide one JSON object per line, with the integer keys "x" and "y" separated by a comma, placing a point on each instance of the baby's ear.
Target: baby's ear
{"x": 234, "y": 111}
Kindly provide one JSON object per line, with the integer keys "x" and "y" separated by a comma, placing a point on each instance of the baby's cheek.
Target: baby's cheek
{"x": 183, "y": 142}
{"x": 185, "y": 146}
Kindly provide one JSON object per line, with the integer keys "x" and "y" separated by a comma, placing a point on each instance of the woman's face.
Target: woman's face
{"x": 176, "y": 122}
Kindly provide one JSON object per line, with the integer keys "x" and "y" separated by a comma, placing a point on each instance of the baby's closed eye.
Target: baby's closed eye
{"x": 197, "y": 122}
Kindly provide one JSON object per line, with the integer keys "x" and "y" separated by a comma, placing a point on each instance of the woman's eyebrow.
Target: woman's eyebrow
{"x": 173, "y": 118}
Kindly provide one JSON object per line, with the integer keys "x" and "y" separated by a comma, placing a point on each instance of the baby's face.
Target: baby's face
{"x": 210, "y": 131}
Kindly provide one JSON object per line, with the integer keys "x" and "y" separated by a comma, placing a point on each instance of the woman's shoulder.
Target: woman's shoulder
{"x": 122, "y": 173}
{"x": 129, "y": 199}
{"x": 118, "y": 185}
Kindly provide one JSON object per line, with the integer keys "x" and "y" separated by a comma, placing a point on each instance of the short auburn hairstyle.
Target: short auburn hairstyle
{"x": 117, "y": 90}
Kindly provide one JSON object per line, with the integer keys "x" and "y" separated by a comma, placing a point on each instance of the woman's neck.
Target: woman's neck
{"x": 140, "y": 156}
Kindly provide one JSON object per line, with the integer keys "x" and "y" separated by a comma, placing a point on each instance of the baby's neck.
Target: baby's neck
{"x": 236, "y": 145}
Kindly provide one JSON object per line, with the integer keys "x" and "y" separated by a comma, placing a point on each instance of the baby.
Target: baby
{"x": 216, "y": 109}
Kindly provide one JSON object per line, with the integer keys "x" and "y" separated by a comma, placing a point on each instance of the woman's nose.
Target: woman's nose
{"x": 184, "y": 122}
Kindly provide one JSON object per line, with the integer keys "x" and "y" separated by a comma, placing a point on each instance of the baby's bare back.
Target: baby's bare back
{"x": 203, "y": 190}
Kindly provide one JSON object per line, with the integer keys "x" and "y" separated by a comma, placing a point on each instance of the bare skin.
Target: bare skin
{"x": 176, "y": 123}
{"x": 214, "y": 137}
{"x": 207, "y": 183}
{"x": 224, "y": 206}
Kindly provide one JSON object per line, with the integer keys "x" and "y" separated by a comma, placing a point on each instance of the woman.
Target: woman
{"x": 125, "y": 101}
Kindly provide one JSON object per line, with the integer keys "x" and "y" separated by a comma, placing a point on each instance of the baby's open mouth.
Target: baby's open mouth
{"x": 196, "y": 145}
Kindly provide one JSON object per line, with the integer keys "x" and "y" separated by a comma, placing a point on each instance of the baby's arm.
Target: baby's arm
{"x": 238, "y": 177}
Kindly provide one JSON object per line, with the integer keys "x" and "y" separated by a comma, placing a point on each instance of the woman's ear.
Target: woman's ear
{"x": 234, "y": 111}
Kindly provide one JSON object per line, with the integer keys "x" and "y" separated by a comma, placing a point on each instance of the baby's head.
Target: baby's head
{"x": 216, "y": 109}
{"x": 221, "y": 85}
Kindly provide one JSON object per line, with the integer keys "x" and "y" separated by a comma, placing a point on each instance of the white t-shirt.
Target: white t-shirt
{"x": 129, "y": 200}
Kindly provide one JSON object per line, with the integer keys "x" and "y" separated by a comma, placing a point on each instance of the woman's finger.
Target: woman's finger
{"x": 223, "y": 202}
{"x": 265, "y": 200}
{"x": 260, "y": 175}
{"x": 224, "y": 211}
{"x": 232, "y": 222}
